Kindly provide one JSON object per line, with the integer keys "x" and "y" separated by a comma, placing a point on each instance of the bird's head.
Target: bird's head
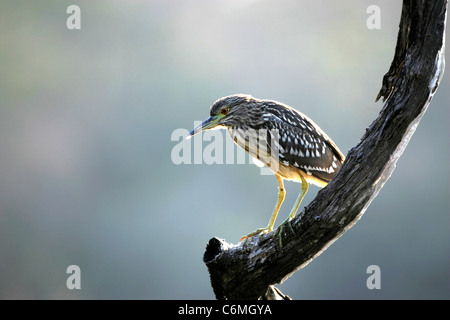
{"x": 228, "y": 112}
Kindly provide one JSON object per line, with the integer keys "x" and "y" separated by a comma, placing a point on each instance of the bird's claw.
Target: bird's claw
{"x": 279, "y": 231}
{"x": 251, "y": 234}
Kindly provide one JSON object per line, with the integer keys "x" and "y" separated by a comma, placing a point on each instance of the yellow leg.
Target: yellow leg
{"x": 269, "y": 228}
{"x": 301, "y": 195}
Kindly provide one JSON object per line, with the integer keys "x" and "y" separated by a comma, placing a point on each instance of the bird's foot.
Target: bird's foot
{"x": 257, "y": 231}
{"x": 279, "y": 231}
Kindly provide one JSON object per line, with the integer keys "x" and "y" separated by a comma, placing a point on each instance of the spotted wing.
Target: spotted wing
{"x": 302, "y": 144}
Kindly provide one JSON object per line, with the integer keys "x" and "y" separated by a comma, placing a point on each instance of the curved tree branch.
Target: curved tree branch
{"x": 249, "y": 271}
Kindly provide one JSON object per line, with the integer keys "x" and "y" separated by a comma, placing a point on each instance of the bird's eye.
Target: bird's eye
{"x": 224, "y": 111}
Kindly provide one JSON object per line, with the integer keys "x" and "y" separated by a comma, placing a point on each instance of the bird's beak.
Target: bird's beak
{"x": 209, "y": 123}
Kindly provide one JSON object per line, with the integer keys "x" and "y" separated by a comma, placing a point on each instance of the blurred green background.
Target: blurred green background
{"x": 86, "y": 119}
